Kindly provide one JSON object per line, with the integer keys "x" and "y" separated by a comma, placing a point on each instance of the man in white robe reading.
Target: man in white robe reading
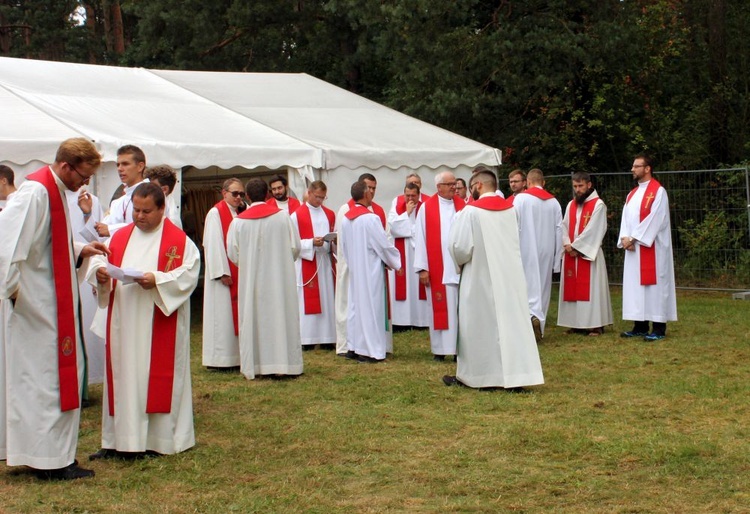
{"x": 585, "y": 304}
{"x": 44, "y": 347}
{"x": 315, "y": 280}
{"x": 342, "y": 270}
{"x": 148, "y": 404}
{"x": 409, "y": 306}
{"x": 221, "y": 347}
{"x": 264, "y": 244}
{"x": 432, "y": 262}
{"x": 131, "y": 163}
{"x": 367, "y": 250}
{"x": 496, "y": 346}
{"x": 648, "y": 287}
{"x": 540, "y": 232}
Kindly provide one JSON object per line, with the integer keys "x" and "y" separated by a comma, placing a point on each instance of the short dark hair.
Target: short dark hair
{"x": 411, "y": 185}
{"x": 162, "y": 174}
{"x": 147, "y": 189}
{"x": 485, "y": 177}
{"x": 647, "y": 160}
{"x": 581, "y": 176}
{"x": 358, "y": 190}
{"x": 256, "y": 189}
{"x": 367, "y": 176}
{"x": 133, "y": 150}
{"x": 279, "y": 178}
{"x": 463, "y": 182}
{"x": 7, "y": 174}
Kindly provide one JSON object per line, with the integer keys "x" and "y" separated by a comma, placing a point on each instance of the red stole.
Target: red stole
{"x": 648, "y": 254}
{"x": 67, "y": 362}
{"x": 311, "y": 285}
{"x": 375, "y": 209}
{"x": 435, "y": 259}
{"x": 225, "y": 215}
{"x": 492, "y": 203}
{"x": 164, "y": 328}
{"x": 577, "y": 270}
{"x": 258, "y": 211}
{"x": 293, "y": 204}
{"x": 400, "y": 244}
{"x": 538, "y": 192}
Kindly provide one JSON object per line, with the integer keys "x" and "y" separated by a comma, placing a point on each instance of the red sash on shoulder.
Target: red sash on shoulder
{"x": 577, "y": 270}
{"x": 538, "y": 192}
{"x": 435, "y": 259}
{"x": 400, "y": 244}
{"x": 492, "y": 203}
{"x": 258, "y": 211}
{"x": 648, "y": 254}
{"x": 62, "y": 268}
{"x": 164, "y": 328}
{"x": 376, "y": 209}
{"x": 311, "y": 285}
{"x": 293, "y": 204}
{"x": 225, "y": 216}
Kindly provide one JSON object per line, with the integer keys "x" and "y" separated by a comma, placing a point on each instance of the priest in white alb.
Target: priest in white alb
{"x": 264, "y": 244}
{"x": 496, "y": 346}
{"x": 409, "y": 306}
{"x": 221, "y": 347}
{"x": 585, "y": 304}
{"x": 315, "y": 278}
{"x": 368, "y": 250}
{"x": 44, "y": 345}
{"x": 148, "y": 404}
{"x": 432, "y": 261}
{"x": 540, "y": 232}
{"x": 342, "y": 270}
{"x": 648, "y": 286}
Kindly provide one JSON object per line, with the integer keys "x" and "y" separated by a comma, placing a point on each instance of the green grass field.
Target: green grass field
{"x": 619, "y": 426}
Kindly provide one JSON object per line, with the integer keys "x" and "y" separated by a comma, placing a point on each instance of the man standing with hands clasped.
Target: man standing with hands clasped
{"x": 648, "y": 290}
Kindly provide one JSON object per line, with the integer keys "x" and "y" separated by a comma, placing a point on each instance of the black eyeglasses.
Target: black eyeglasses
{"x": 85, "y": 178}
{"x": 237, "y": 194}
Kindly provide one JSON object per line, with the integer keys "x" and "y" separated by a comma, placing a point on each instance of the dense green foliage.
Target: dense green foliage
{"x": 555, "y": 84}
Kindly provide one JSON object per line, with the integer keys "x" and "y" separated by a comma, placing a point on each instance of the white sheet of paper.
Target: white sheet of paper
{"x": 89, "y": 234}
{"x": 123, "y": 275}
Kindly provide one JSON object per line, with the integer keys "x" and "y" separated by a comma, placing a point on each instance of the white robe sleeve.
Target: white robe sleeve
{"x": 233, "y": 245}
{"x": 381, "y": 244}
{"x": 294, "y": 240}
{"x": 102, "y": 290}
{"x": 647, "y": 230}
{"x": 19, "y": 221}
{"x": 420, "y": 243}
{"x": 588, "y": 242}
{"x": 175, "y": 287}
{"x": 307, "y": 249}
{"x": 461, "y": 246}
{"x": 213, "y": 247}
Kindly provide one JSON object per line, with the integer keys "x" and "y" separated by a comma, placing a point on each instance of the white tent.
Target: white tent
{"x": 222, "y": 121}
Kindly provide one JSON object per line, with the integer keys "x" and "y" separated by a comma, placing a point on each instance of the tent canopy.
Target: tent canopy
{"x": 204, "y": 119}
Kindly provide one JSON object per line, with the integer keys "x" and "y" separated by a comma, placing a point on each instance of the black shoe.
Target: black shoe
{"x": 633, "y": 333}
{"x": 536, "y": 325}
{"x": 439, "y": 358}
{"x": 308, "y": 347}
{"x": 222, "y": 369}
{"x": 328, "y": 346}
{"x": 71, "y": 472}
{"x": 451, "y": 380}
{"x": 85, "y": 403}
{"x": 364, "y": 359}
{"x": 349, "y": 355}
{"x": 104, "y": 453}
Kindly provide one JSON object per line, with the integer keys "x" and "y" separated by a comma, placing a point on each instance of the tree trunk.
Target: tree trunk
{"x": 717, "y": 65}
{"x": 118, "y": 37}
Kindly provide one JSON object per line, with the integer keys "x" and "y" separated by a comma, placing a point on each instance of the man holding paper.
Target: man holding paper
{"x": 147, "y": 404}
{"x": 315, "y": 275}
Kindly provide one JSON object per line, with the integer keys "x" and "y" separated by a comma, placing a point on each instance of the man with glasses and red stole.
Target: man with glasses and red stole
{"x": 433, "y": 262}
{"x": 45, "y": 352}
{"x": 221, "y": 348}
{"x": 648, "y": 289}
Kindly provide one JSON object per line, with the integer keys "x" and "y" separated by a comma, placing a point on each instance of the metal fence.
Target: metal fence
{"x": 710, "y": 214}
